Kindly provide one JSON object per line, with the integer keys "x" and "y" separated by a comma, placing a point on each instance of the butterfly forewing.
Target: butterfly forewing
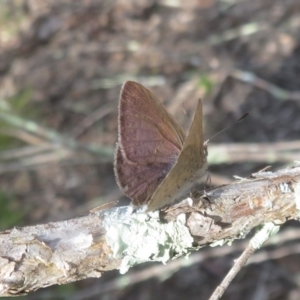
{"x": 147, "y": 132}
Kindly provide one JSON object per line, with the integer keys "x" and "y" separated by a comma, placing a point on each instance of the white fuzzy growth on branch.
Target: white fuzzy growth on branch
{"x": 137, "y": 238}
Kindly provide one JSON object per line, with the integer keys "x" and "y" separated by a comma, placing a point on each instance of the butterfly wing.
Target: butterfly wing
{"x": 190, "y": 166}
{"x": 149, "y": 143}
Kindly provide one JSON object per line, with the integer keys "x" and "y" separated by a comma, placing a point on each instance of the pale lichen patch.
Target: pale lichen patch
{"x": 137, "y": 238}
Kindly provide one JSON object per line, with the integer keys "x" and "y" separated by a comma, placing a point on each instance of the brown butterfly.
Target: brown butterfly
{"x": 155, "y": 163}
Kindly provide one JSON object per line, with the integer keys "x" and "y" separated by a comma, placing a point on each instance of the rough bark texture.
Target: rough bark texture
{"x": 57, "y": 253}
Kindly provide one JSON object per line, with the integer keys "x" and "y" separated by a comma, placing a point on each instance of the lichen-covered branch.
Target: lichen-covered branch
{"x": 118, "y": 238}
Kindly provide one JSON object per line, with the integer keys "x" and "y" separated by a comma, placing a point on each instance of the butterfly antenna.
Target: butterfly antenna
{"x": 229, "y": 126}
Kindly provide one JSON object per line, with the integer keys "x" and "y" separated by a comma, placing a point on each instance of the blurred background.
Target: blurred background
{"x": 62, "y": 64}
